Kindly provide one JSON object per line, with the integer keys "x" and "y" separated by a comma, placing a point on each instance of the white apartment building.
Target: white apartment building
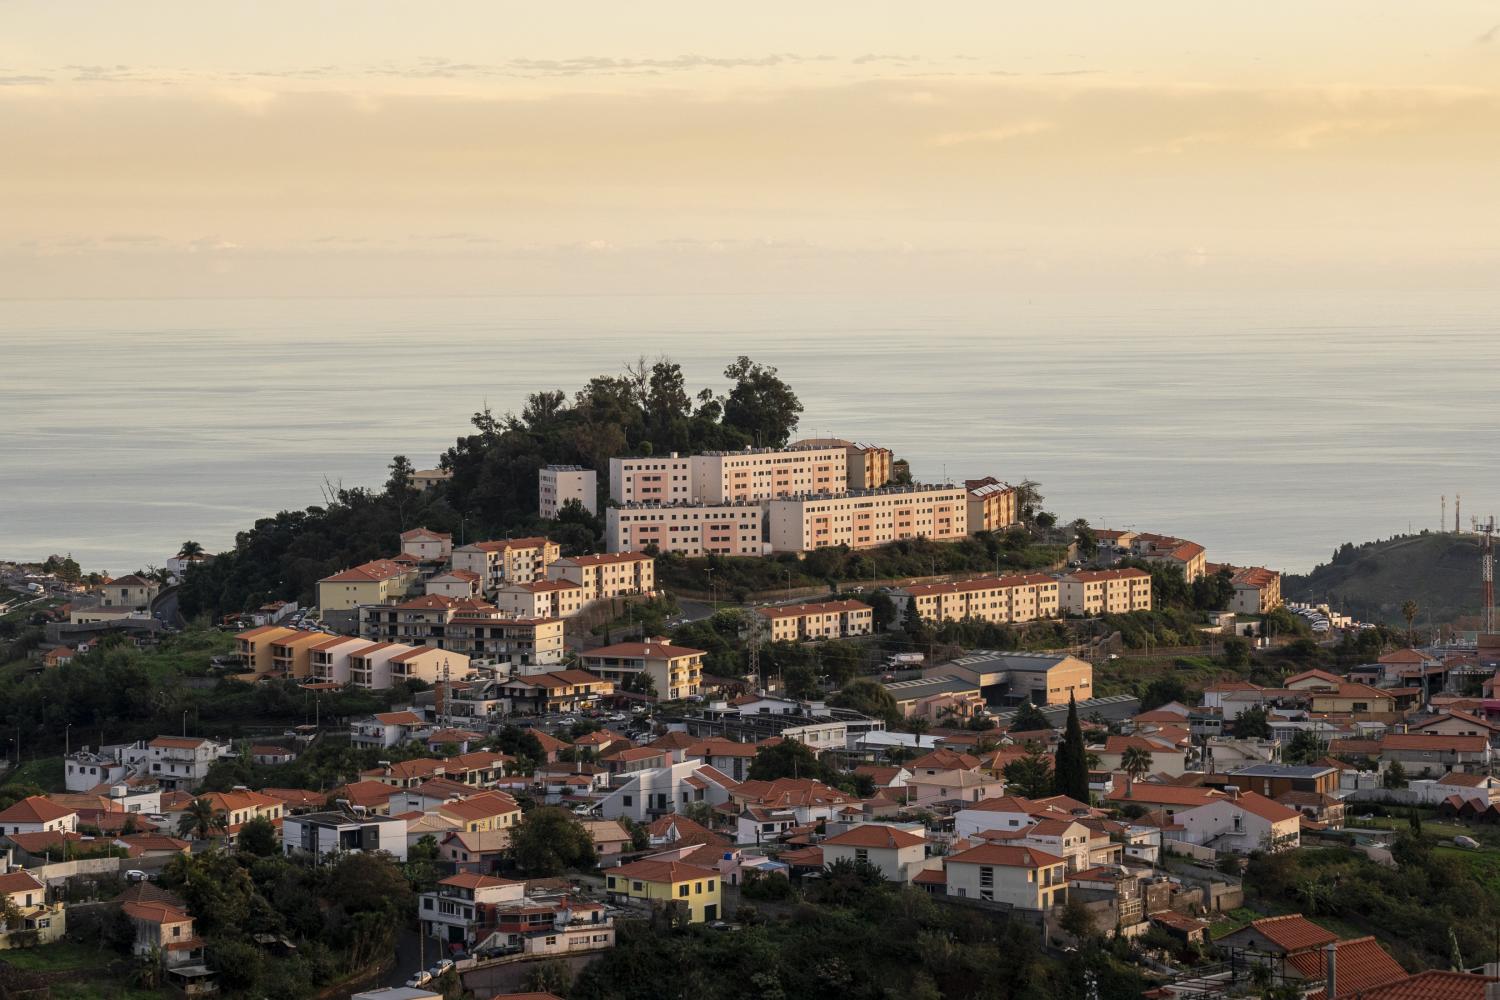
{"x": 508, "y": 560}
{"x": 182, "y": 762}
{"x": 659, "y": 479}
{"x": 329, "y": 659}
{"x": 997, "y": 599}
{"x": 763, "y": 473}
{"x": 686, "y": 528}
{"x": 867, "y": 518}
{"x": 557, "y": 484}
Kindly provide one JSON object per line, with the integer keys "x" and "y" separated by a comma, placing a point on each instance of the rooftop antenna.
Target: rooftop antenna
{"x": 1487, "y": 573}
{"x": 1458, "y": 501}
{"x": 1443, "y": 518}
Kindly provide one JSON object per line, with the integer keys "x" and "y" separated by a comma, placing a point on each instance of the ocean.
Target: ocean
{"x": 1270, "y": 429}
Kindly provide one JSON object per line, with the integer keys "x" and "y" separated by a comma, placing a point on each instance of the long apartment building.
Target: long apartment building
{"x": 822, "y": 465}
{"x": 518, "y": 643}
{"x": 827, "y": 620}
{"x": 488, "y": 635}
{"x": 867, "y": 518}
{"x": 998, "y": 599}
{"x": 992, "y": 504}
{"x": 507, "y": 560}
{"x": 610, "y": 574}
{"x": 382, "y": 665}
{"x": 675, "y": 671}
{"x": 1106, "y": 591}
{"x": 421, "y": 621}
{"x": 869, "y": 465}
{"x": 689, "y": 529}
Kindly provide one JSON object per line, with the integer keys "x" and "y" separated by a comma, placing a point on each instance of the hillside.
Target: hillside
{"x": 1371, "y": 581}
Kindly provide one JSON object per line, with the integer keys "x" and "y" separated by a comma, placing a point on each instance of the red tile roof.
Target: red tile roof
{"x": 1293, "y": 932}
{"x": 655, "y": 648}
{"x": 874, "y": 835}
{"x": 34, "y": 809}
{"x": 1427, "y": 741}
{"x": 1358, "y": 965}
{"x": 662, "y": 871}
{"x": 1005, "y": 856}
{"x": 1435, "y": 984}
{"x": 825, "y": 608}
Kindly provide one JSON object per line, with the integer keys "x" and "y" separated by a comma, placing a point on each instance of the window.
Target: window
{"x": 682, "y": 890}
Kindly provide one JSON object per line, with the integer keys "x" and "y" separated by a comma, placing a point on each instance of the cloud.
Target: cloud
{"x": 23, "y": 80}
{"x": 992, "y": 135}
{"x": 1489, "y": 36}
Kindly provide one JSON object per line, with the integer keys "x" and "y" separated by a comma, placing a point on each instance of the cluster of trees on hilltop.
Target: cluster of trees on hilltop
{"x": 646, "y": 409}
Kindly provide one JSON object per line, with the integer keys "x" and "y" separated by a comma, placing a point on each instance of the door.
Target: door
{"x": 711, "y": 911}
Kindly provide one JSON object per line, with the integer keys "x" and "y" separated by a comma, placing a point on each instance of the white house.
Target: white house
{"x": 898, "y": 853}
{"x": 1008, "y": 812}
{"x": 182, "y": 762}
{"x": 455, "y": 911}
{"x": 666, "y": 789}
{"x": 1240, "y": 823}
{"x": 387, "y": 729}
{"x": 1024, "y": 877}
{"x": 37, "y": 814}
{"x": 328, "y": 833}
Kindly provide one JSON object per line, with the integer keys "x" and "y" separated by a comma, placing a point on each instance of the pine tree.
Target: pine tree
{"x": 1072, "y": 772}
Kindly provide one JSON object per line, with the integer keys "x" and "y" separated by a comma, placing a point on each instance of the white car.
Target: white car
{"x": 419, "y": 978}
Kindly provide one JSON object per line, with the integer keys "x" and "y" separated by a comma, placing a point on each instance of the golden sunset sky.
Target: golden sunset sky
{"x": 301, "y": 148}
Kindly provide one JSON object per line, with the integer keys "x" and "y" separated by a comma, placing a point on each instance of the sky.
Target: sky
{"x": 172, "y": 148}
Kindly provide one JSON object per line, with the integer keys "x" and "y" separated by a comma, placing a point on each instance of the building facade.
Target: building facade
{"x": 509, "y": 560}
{"x": 991, "y": 504}
{"x": 1105, "y": 591}
{"x": 557, "y": 484}
{"x": 675, "y": 671}
{"x": 689, "y": 529}
{"x": 867, "y": 518}
{"x": 606, "y": 575}
{"x": 828, "y": 620}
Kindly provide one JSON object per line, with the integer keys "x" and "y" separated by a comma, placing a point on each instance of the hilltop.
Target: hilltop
{"x": 1440, "y": 571}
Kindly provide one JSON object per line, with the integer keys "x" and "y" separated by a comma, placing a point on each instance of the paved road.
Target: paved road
{"x": 408, "y": 960}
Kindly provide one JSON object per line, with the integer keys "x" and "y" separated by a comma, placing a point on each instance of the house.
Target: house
{"x": 58, "y": 656}
{"x": 241, "y": 805}
{"x": 545, "y": 925}
{"x": 1008, "y": 678}
{"x": 131, "y": 592}
{"x": 1353, "y": 699}
{"x": 1359, "y": 964}
{"x": 270, "y": 755}
{"x": 1274, "y": 780}
{"x": 609, "y": 837}
{"x": 898, "y": 853}
{"x": 182, "y": 762}
{"x": 674, "y": 671}
{"x": 1241, "y": 823}
{"x": 165, "y": 929}
{"x": 1434, "y": 984}
{"x": 1456, "y": 723}
{"x": 458, "y": 584}
{"x": 950, "y": 787}
{"x": 387, "y": 729}
{"x": 541, "y": 599}
{"x": 483, "y": 812}
{"x": 477, "y": 853}
{"x": 459, "y": 907}
{"x": 427, "y": 546}
{"x": 379, "y": 581}
{"x": 557, "y": 691}
{"x": 40, "y": 922}
{"x": 1280, "y": 936}
{"x": 37, "y": 814}
{"x": 630, "y": 759}
{"x": 1023, "y": 877}
{"x": 724, "y": 755}
{"x": 526, "y": 645}
{"x": 1479, "y": 788}
{"x": 1257, "y": 591}
{"x": 648, "y": 794}
{"x": 1424, "y": 753}
{"x": 327, "y": 833}
{"x": 1165, "y": 758}
{"x": 805, "y": 800}
{"x": 670, "y": 884}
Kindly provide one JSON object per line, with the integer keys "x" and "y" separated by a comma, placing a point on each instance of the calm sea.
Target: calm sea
{"x": 1270, "y": 429}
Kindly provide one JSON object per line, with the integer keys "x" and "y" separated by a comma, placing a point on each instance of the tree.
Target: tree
{"x": 1030, "y": 776}
{"x": 200, "y": 820}
{"x": 868, "y": 698}
{"x": 1414, "y": 820}
{"x": 699, "y": 812}
{"x": 1077, "y": 919}
{"x": 1085, "y": 539}
{"x": 189, "y": 550}
{"x": 1303, "y": 748}
{"x": 1395, "y": 775}
{"x": 258, "y": 837}
{"x": 1071, "y": 777}
{"x": 1236, "y": 652}
{"x": 1136, "y": 762}
{"x": 760, "y": 406}
{"x": 399, "y": 487}
{"x": 1028, "y": 719}
{"x": 550, "y": 840}
{"x": 552, "y": 976}
{"x": 787, "y": 759}
{"x": 1409, "y": 611}
{"x": 1253, "y": 724}
{"x": 1161, "y": 690}
{"x": 640, "y": 683}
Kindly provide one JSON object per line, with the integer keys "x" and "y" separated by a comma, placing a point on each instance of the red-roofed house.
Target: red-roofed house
{"x": 1241, "y": 823}
{"x": 1359, "y": 964}
{"x": 1024, "y": 877}
{"x": 898, "y": 853}
{"x": 37, "y": 814}
{"x": 163, "y": 929}
{"x": 675, "y": 671}
{"x": 28, "y": 895}
{"x": 1284, "y": 935}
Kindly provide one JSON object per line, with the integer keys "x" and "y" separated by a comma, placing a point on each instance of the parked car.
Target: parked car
{"x": 419, "y": 978}
{"x": 136, "y": 875}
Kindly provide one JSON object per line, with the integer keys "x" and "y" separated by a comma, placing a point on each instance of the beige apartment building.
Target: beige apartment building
{"x": 998, "y": 599}
{"x": 1257, "y": 591}
{"x": 379, "y": 581}
{"x": 509, "y": 560}
{"x": 867, "y": 518}
{"x": 609, "y": 574}
{"x": 541, "y": 599}
{"x": 755, "y": 474}
{"x": 660, "y": 479}
{"x": 686, "y": 528}
{"x": 557, "y": 484}
{"x": 382, "y": 665}
{"x": 514, "y": 642}
{"x": 1165, "y": 549}
{"x": 675, "y": 671}
{"x": 131, "y": 592}
{"x": 828, "y": 620}
{"x": 1106, "y": 591}
{"x": 992, "y": 504}
{"x": 426, "y": 479}
{"x": 291, "y": 655}
{"x": 329, "y": 659}
{"x": 869, "y": 466}
{"x": 421, "y": 621}
{"x": 253, "y": 647}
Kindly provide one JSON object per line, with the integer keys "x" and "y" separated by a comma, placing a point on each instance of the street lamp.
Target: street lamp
{"x": 68, "y": 740}
{"x": 712, "y": 590}
{"x": 184, "y": 721}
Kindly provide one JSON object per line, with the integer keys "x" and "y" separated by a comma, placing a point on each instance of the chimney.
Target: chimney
{"x": 1233, "y": 791}
{"x": 1330, "y": 954}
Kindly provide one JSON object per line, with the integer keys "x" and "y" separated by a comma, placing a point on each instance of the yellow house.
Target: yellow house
{"x": 1356, "y": 699}
{"x": 483, "y": 813}
{"x": 40, "y": 922}
{"x": 666, "y": 882}
{"x": 377, "y": 582}
{"x": 254, "y": 646}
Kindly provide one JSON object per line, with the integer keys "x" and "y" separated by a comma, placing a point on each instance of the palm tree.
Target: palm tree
{"x": 189, "y": 550}
{"x": 1409, "y": 612}
{"x": 200, "y": 820}
{"x": 1136, "y": 762}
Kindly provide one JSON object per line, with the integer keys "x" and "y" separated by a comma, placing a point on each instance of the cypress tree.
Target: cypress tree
{"x": 1072, "y": 772}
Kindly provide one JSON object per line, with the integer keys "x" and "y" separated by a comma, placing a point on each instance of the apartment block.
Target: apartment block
{"x": 509, "y": 560}
{"x": 382, "y": 665}
{"x": 253, "y": 647}
{"x": 610, "y": 574}
{"x": 828, "y": 620}
{"x": 656, "y": 480}
{"x": 329, "y": 659}
{"x": 998, "y": 599}
{"x": 867, "y": 518}
{"x": 557, "y": 484}
{"x": 675, "y": 671}
{"x": 868, "y": 466}
{"x": 182, "y": 762}
{"x": 1257, "y": 590}
{"x": 514, "y": 642}
{"x": 541, "y": 599}
{"x": 992, "y": 504}
{"x": 686, "y": 528}
{"x": 421, "y": 621}
{"x": 756, "y": 474}
{"x": 427, "y": 546}
{"x": 1106, "y": 591}
{"x": 1165, "y": 549}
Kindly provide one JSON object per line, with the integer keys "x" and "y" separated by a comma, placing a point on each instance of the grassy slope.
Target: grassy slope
{"x": 1439, "y": 572}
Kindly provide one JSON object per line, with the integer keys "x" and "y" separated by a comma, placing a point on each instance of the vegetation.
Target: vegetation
{"x": 549, "y": 840}
{"x": 644, "y": 410}
{"x": 1071, "y": 776}
{"x": 793, "y": 759}
{"x": 1374, "y": 580}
